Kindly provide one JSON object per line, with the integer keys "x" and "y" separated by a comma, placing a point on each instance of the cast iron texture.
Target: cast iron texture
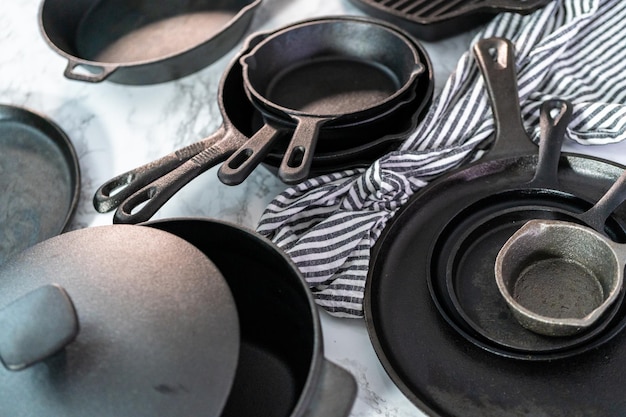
{"x": 432, "y": 20}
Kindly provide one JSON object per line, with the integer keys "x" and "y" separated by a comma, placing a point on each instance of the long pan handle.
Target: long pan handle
{"x": 553, "y": 127}
{"x": 596, "y": 216}
{"x": 143, "y": 204}
{"x": 298, "y": 157}
{"x": 496, "y": 61}
{"x": 111, "y": 194}
{"x": 241, "y": 163}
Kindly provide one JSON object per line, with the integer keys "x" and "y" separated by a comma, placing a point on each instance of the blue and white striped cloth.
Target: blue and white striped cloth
{"x": 570, "y": 49}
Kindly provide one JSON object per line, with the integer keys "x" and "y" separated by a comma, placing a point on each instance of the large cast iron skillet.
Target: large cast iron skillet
{"x": 440, "y": 362}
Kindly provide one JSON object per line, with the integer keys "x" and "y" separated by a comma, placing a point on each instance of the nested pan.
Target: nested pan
{"x": 559, "y": 277}
{"x": 458, "y": 224}
{"x": 157, "y": 181}
{"x": 140, "y": 42}
{"x": 328, "y": 71}
{"x": 40, "y": 179}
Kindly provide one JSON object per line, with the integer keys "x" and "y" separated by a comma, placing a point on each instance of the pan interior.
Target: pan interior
{"x": 332, "y": 84}
{"x": 37, "y": 187}
{"x": 334, "y": 68}
{"x": 118, "y": 31}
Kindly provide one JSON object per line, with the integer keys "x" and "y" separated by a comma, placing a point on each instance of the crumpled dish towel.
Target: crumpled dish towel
{"x": 570, "y": 49}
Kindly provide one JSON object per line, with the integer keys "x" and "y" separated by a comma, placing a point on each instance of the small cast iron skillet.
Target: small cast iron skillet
{"x": 407, "y": 308}
{"x": 344, "y": 71}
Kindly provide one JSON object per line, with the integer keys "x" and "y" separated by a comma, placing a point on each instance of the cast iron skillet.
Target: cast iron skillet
{"x": 40, "y": 179}
{"x": 426, "y": 347}
{"x": 340, "y": 76}
{"x": 436, "y": 19}
{"x": 140, "y": 42}
{"x": 281, "y": 371}
{"x": 155, "y": 182}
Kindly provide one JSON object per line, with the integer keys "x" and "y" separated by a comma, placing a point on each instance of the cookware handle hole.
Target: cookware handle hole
{"x": 297, "y": 157}
{"x": 239, "y": 159}
{"x": 89, "y": 73}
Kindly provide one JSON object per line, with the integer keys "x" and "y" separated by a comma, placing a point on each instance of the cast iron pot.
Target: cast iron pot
{"x": 139, "y": 42}
{"x": 281, "y": 369}
{"x": 113, "y": 321}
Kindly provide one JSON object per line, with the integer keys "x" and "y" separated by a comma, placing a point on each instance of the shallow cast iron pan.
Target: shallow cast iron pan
{"x": 139, "y": 42}
{"x": 436, "y": 19}
{"x": 458, "y": 373}
{"x": 40, "y": 179}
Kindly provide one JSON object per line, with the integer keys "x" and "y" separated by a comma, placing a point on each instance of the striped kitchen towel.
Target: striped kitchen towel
{"x": 570, "y": 49}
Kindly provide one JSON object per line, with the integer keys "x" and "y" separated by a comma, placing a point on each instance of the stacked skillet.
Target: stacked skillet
{"x": 270, "y": 116}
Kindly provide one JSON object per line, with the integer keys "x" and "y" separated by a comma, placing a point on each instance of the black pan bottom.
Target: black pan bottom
{"x": 426, "y": 349}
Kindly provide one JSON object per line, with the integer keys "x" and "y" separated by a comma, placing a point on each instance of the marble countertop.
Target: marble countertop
{"x": 115, "y": 128}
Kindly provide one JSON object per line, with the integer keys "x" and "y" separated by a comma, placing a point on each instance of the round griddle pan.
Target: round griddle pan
{"x": 39, "y": 179}
{"x": 441, "y": 363}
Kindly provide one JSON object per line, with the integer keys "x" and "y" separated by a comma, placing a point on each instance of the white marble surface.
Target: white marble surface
{"x": 115, "y": 128}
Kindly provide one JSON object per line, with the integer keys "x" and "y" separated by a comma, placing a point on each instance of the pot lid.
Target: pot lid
{"x": 115, "y": 320}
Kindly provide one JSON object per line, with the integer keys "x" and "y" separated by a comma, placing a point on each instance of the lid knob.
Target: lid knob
{"x": 36, "y": 326}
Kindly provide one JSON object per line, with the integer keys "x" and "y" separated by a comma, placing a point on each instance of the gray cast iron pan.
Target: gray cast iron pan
{"x": 39, "y": 179}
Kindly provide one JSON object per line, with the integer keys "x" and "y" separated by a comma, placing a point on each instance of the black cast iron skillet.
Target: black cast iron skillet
{"x": 425, "y": 345}
{"x": 436, "y": 19}
{"x": 40, "y": 179}
{"x": 344, "y": 71}
{"x": 281, "y": 371}
{"x": 140, "y": 42}
{"x": 155, "y": 182}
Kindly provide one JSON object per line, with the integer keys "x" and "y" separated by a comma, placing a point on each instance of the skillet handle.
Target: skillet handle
{"x": 102, "y": 71}
{"x": 296, "y": 163}
{"x": 241, "y": 163}
{"x": 552, "y": 134}
{"x": 110, "y": 194}
{"x": 143, "y": 204}
{"x": 335, "y": 393}
{"x": 596, "y": 216}
{"x": 496, "y": 61}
